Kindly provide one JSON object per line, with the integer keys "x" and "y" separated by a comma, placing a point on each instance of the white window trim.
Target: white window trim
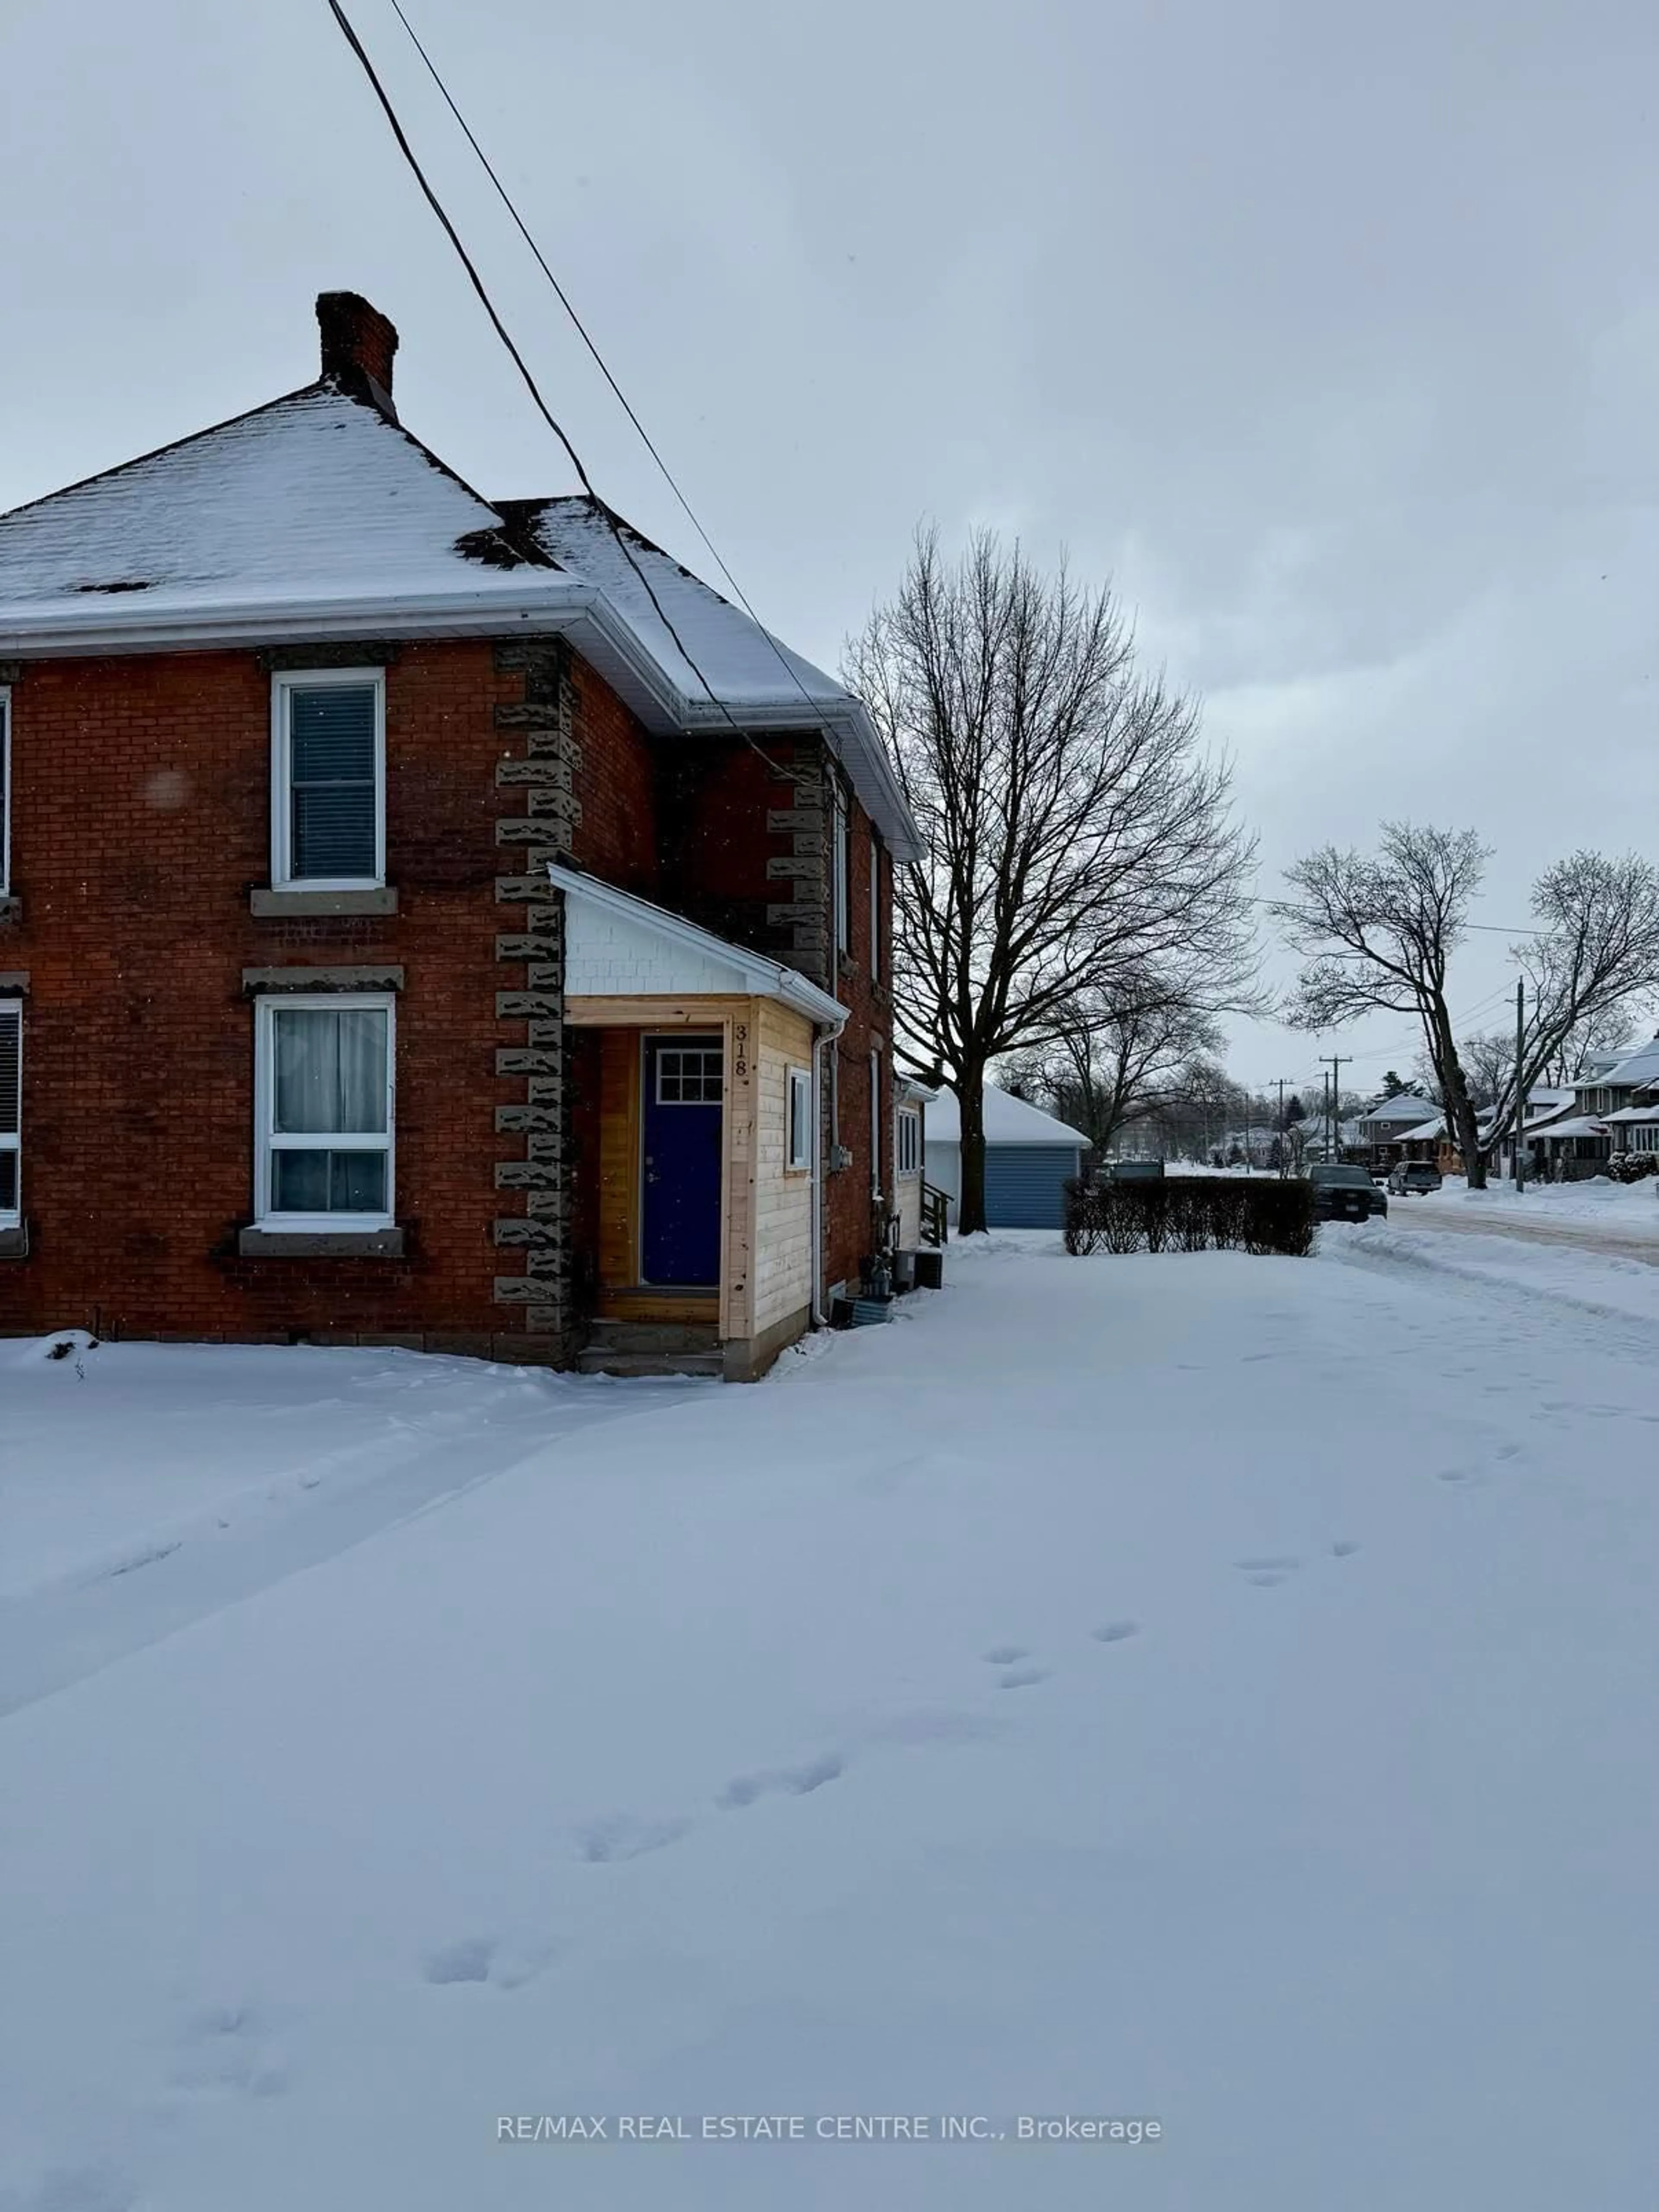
{"x": 11, "y": 1217}
{"x": 287, "y": 681}
{"x": 875, "y": 1122}
{"x": 909, "y": 1115}
{"x": 797, "y": 1083}
{"x": 842, "y": 865}
{"x": 264, "y": 1063}
{"x": 5, "y": 789}
{"x": 875, "y": 908}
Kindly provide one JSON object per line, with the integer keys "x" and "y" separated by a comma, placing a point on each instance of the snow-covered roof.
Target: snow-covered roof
{"x": 742, "y": 663}
{"x": 1576, "y": 1125}
{"x": 1648, "y": 1114}
{"x": 314, "y": 496}
{"x": 1007, "y": 1121}
{"x": 318, "y": 516}
{"x": 1636, "y": 1072}
{"x": 1430, "y": 1130}
{"x": 607, "y": 930}
{"x": 1405, "y": 1108}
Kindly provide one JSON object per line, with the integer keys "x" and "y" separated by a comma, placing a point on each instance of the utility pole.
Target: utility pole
{"x": 1333, "y": 1061}
{"x": 1282, "y": 1132}
{"x": 1520, "y": 1088}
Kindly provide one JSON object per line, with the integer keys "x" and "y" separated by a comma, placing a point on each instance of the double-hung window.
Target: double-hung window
{"x": 875, "y": 907}
{"x": 322, "y": 1083}
{"x": 909, "y": 1142}
{"x": 799, "y": 1152}
{"x": 875, "y": 1123}
{"x": 11, "y": 1112}
{"x": 5, "y": 791}
{"x": 843, "y": 863}
{"x": 328, "y": 779}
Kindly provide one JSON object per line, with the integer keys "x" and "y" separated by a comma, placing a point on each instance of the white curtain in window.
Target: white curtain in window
{"x": 330, "y": 1071}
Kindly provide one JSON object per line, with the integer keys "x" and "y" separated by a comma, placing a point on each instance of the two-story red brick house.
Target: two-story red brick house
{"x": 397, "y": 941}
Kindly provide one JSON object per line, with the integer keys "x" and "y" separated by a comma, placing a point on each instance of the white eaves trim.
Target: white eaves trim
{"x": 545, "y": 603}
{"x": 606, "y": 930}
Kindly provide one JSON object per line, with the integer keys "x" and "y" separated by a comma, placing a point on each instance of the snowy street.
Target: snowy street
{"x": 1202, "y": 1689}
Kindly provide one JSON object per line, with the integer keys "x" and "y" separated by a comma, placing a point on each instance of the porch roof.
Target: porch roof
{"x": 618, "y": 946}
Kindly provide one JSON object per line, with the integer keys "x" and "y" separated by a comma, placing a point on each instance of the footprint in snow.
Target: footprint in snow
{"x": 1022, "y": 1678}
{"x": 229, "y": 2047}
{"x": 793, "y": 1781}
{"x": 607, "y": 1842}
{"x": 1344, "y": 1548}
{"x": 1004, "y": 1655}
{"x": 1266, "y": 1573}
{"x": 508, "y": 1962}
{"x": 1115, "y": 1631}
{"x": 76, "y": 2188}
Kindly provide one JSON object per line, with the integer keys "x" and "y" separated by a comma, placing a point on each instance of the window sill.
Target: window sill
{"x": 295, "y": 899}
{"x": 15, "y": 1242}
{"x": 262, "y": 1242}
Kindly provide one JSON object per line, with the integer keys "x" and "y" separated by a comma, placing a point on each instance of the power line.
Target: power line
{"x": 529, "y": 383}
{"x": 588, "y": 340}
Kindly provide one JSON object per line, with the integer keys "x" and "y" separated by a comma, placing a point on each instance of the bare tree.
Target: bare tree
{"x": 1488, "y": 1060}
{"x": 1076, "y": 834}
{"x": 1117, "y": 1062}
{"x": 1592, "y": 965}
{"x": 1380, "y": 933}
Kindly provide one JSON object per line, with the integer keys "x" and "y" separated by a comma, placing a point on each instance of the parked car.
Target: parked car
{"x": 1341, "y": 1193}
{"x": 1409, "y": 1176}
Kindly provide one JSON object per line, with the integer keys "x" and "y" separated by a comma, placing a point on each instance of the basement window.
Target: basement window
{"x": 323, "y": 1086}
{"x": 11, "y": 1112}
{"x": 328, "y": 779}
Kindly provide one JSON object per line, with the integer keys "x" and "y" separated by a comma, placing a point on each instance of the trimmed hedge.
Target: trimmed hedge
{"x": 1191, "y": 1213}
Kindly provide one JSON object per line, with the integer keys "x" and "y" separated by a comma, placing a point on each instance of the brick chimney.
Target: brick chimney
{"x": 358, "y": 343}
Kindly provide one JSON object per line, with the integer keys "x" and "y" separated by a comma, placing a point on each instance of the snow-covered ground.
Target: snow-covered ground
{"x": 1197, "y": 1689}
{"x": 1622, "y": 1209}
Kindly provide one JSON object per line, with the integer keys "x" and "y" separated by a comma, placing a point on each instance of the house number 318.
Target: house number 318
{"x": 740, "y": 1049}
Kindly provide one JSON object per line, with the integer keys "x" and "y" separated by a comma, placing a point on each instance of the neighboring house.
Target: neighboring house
{"x": 1611, "y": 1109}
{"x": 1029, "y": 1158}
{"x": 1625, "y": 1097}
{"x": 1546, "y": 1105}
{"x": 1382, "y": 1128}
{"x": 398, "y": 942}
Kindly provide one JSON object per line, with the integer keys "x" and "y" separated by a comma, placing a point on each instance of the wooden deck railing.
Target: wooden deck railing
{"x": 934, "y": 1204}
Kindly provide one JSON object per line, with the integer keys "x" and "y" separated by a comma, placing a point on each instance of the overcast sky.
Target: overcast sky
{"x": 1330, "y": 332}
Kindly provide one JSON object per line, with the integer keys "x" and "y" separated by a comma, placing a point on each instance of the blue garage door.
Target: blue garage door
{"x": 1025, "y": 1184}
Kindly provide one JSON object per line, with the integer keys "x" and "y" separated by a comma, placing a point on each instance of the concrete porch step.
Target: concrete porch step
{"x": 603, "y": 1359}
{"x": 666, "y": 1336}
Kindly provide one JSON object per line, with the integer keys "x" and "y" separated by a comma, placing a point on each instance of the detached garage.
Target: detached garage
{"x": 1029, "y": 1158}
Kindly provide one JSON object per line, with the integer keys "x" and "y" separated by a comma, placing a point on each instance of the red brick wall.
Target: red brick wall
{"x": 616, "y": 837}
{"x": 140, "y": 822}
{"x": 716, "y": 796}
{"x": 848, "y": 1218}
